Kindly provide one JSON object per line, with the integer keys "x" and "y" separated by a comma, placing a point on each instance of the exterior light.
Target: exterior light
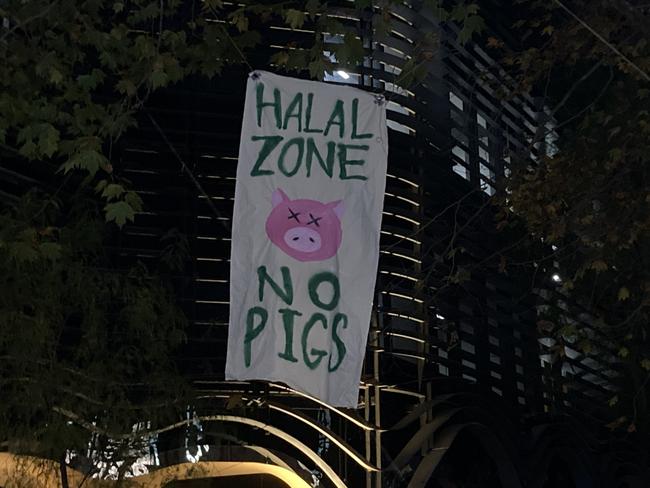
{"x": 556, "y": 277}
{"x": 343, "y": 74}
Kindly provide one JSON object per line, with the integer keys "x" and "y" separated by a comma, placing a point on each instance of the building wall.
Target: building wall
{"x": 452, "y": 369}
{"x": 430, "y": 336}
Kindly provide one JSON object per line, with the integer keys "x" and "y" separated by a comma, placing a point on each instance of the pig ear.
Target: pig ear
{"x": 278, "y": 197}
{"x": 338, "y": 206}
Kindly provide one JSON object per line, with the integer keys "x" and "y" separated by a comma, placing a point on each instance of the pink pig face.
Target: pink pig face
{"x": 306, "y": 230}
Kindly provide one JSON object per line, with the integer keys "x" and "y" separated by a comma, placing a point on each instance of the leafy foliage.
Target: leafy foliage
{"x": 75, "y": 74}
{"x": 590, "y": 201}
{"x": 85, "y": 349}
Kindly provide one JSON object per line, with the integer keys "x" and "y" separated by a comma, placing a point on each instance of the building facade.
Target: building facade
{"x": 455, "y": 389}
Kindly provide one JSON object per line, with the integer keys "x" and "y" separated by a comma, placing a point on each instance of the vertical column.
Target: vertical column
{"x": 377, "y": 395}
{"x": 366, "y": 412}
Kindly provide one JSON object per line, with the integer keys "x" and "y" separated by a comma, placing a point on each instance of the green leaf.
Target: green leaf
{"x": 645, "y": 364}
{"x": 548, "y": 30}
{"x": 112, "y": 191}
{"x": 24, "y": 251}
{"x": 351, "y": 51}
{"x": 616, "y": 154}
{"x": 240, "y": 20}
{"x": 159, "y": 79}
{"x": 92, "y": 80}
{"x": 126, "y": 87}
{"x": 280, "y": 58}
{"x": 439, "y": 12}
{"x": 28, "y": 150}
{"x": 317, "y": 68}
{"x": 472, "y": 25}
{"x": 461, "y": 276}
{"x": 134, "y": 200}
{"x": 48, "y": 140}
{"x": 623, "y": 352}
{"x": 312, "y": 7}
{"x": 294, "y": 18}
{"x": 248, "y": 39}
{"x": 472, "y": 9}
{"x": 613, "y": 401}
{"x": 55, "y": 76}
{"x": 459, "y": 12}
{"x": 599, "y": 265}
{"x": 101, "y": 185}
{"x": 616, "y": 423}
{"x": 211, "y": 4}
{"x": 586, "y": 346}
{"x": 119, "y": 212}
{"x": 50, "y": 250}
{"x": 38, "y": 140}
{"x": 88, "y": 160}
{"x": 623, "y": 293}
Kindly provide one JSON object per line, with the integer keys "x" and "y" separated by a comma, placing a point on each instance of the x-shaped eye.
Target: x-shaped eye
{"x": 294, "y": 215}
{"x": 314, "y": 220}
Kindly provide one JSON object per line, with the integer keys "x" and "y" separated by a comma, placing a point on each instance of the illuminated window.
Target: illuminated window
{"x": 455, "y": 100}
{"x": 468, "y": 364}
{"x": 485, "y": 171}
{"x": 483, "y": 154}
{"x": 461, "y": 170}
{"x": 460, "y": 153}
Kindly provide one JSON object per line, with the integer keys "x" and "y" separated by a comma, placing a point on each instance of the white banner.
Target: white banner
{"x": 305, "y": 238}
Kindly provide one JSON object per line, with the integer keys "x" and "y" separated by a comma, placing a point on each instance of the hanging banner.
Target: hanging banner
{"x": 305, "y": 237}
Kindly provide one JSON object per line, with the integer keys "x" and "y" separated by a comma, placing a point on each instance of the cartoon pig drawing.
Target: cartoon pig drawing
{"x": 306, "y": 230}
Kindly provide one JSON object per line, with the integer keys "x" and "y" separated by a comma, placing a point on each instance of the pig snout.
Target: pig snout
{"x": 303, "y": 239}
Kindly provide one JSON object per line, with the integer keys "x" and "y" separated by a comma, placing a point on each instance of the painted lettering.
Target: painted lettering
{"x": 285, "y": 294}
{"x": 288, "y": 317}
{"x": 252, "y": 330}
{"x": 342, "y": 320}
{"x": 294, "y": 110}
{"x": 337, "y": 117}
{"x": 297, "y": 142}
{"x": 270, "y": 143}
{"x": 319, "y": 353}
{"x": 327, "y": 164}
{"x": 344, "y": 162}
{"x": 276, "y": 104}
{"x": 315, "y": 281}
{"x": 310, "y": 104}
